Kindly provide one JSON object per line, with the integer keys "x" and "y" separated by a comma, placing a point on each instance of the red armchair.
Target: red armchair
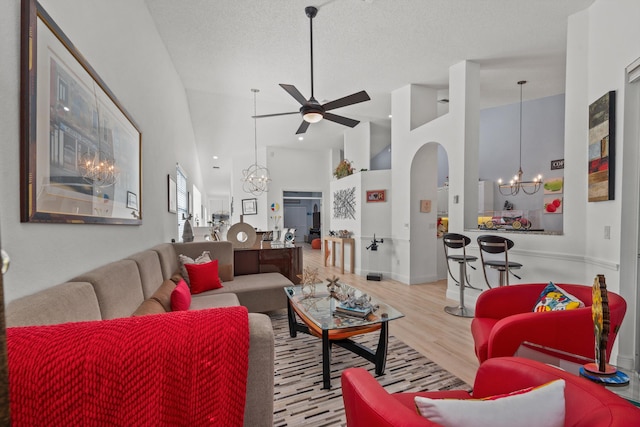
{"x": 586, "y": 404}
{"x": 503, "y": 320}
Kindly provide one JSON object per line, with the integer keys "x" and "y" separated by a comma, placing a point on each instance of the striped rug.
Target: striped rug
{"x": 299, "y": 399}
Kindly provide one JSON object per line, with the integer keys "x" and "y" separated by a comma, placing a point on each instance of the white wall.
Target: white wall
{"x": 299, "y": 170}
{"x": 119, "y": 39}
{"x": 357, "y": 146}
{"x": 376, "y": 218}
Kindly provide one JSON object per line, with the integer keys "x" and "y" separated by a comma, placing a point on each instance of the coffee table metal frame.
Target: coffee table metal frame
{"x": 318, "y": 319}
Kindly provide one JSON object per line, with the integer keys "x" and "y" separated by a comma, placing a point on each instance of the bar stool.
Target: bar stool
{"x": 458, "y": 241}
{"x": 497, "y": 245}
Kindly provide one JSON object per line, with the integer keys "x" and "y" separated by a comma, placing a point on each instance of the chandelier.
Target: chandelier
{"x": 516, "y": 184}
{"x": 256, "y": 177}
{"x": 98, "y": 168}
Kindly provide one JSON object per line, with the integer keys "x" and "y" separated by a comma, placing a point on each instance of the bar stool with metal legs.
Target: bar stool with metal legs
{"x": 497, "y": 245}
{"x": 459, "y": 241}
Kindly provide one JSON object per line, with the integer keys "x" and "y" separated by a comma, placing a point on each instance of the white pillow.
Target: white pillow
{"x": 542, "y": 405}
{"x": 203, "y": 258}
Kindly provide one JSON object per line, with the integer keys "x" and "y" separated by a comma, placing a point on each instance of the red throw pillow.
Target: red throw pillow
{"x": 181, "y": 297}
{"x": 203, "y": 277}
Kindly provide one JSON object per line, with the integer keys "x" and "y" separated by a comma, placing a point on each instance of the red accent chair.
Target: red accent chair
{"x": 504, "y": 319}
{"x": 368, "y": 404}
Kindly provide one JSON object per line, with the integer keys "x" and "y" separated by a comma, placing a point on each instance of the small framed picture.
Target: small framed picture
{"x": 425, "y": 206}
{"x": 132, "y": 200}
{"x": 173, "y": 195}
{"x": 376, "y": 196}
{"x": 249, "y": 206}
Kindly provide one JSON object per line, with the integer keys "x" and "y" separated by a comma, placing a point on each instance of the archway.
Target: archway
{"x": 429, "y": 163}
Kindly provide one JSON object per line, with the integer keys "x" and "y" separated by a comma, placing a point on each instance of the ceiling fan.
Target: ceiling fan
{"x": 312, "y": 111}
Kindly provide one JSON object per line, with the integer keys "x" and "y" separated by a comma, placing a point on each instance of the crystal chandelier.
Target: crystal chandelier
{"x": 98, "y": 168}
{"x": 516, "y": 184}
{"x": 255, "y": 178}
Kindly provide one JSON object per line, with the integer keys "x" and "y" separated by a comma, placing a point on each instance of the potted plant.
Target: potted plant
{"x": 343, "y": 169}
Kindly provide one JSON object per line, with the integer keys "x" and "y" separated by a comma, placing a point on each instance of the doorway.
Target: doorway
{"x": 302, "y": 212}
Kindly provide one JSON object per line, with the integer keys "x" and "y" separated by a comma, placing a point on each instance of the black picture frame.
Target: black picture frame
{"x": 249, "y": 206}
{"x": 602, "y": 148}
{"x": 71, "y": 126}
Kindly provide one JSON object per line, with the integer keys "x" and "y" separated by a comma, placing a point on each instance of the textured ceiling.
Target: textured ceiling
{"x": 223, "y": 48}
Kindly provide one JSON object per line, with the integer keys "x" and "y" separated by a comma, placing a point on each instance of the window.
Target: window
{"x": 183, "y": 203}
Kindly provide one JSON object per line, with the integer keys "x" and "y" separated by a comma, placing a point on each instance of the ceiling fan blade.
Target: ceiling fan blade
{"x": 341, "y": 120}
{"x": 347, "y": 100}
{"x": 303, "y": 127}
{"x": 274, "y": 115}
{"x": 291, "y": 90}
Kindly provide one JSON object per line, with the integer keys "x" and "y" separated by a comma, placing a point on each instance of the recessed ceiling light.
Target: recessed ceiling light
{"x": 215, "y": 157}
{"x": 300, "y": 138}
{"x": 389, "y": 115}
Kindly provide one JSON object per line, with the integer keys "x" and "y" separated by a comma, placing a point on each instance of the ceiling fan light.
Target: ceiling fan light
{"x": 312, "y": 117}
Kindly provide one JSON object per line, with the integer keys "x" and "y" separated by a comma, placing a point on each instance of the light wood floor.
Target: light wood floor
{"x": 441, "y": 337}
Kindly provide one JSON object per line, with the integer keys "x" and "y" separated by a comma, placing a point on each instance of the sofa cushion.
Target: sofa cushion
{"x": 150, "y": 270}
{"x": 222, "y": 251}
{"x": 522, "y": 408}
{"x": 184, "y": 260}
{"x": 202, "y": 301}
{"x": 149, "y": 306}
{"x": 68, "y": 302}
{"x": 180, "y": 297}
{"x": 168, "y": 259}
{"x": 204, "y": 277}
{"x": 158, "y": 302}
{"x": 260, "y": 293}
{"x": 118, "y": 287}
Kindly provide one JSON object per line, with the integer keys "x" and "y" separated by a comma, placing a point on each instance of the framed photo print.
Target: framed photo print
{"x": 376, "y": 196}
{"x": 173, "y": 195}
{"x": 249, "y": 206}
{"x": 80, "y": 150}
{"x": 132, "y": 200}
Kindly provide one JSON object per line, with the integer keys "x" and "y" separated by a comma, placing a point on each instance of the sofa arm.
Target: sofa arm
{"x": 570, "y": 331}
{"x": 259, "y": 404}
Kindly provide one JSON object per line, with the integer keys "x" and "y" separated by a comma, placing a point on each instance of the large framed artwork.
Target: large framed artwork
{"x": 602, "y": 144}
{"x": 80, "y": 149}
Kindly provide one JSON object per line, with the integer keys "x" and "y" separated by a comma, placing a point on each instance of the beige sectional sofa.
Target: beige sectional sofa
{"x": 141, "y": 284}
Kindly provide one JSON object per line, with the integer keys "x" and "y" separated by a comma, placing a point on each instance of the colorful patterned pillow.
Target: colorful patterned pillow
{"x": 553, "y": 298}
{"x": 204, "y": 277}
{"x": 523, "y": 408}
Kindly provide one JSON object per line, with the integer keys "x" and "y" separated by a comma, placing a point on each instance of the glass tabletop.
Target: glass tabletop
{"x": 572, "y": 363}
{"x": 316, "y": 303}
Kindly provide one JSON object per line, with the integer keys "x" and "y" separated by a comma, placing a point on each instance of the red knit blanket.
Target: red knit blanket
{"x": 175, "y": 369}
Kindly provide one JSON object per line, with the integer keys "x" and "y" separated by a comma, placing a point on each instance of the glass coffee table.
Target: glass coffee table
{"x": 315, "y": 307}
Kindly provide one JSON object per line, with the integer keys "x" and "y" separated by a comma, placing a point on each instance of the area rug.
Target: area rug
{"x": 299, "y": 399}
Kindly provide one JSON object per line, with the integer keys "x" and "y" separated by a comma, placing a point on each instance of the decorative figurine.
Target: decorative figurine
{"x": 333, "y": 287}
{"x": 309, "y": 278}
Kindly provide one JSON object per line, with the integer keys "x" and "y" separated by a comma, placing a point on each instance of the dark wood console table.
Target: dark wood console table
{"x": 287, "y": 261}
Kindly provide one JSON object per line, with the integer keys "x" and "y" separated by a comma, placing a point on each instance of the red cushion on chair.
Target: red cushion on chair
{"x": 204, "y": 277}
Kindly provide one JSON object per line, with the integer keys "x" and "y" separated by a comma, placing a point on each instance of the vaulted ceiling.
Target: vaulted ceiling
{"x": 224, "y": 48}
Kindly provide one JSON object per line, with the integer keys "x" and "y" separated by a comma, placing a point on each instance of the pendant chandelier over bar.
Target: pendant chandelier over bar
{"x": 516, "y": 184}
{"x": 256, "y": 177}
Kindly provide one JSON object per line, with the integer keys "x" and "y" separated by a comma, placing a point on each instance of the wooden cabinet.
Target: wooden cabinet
{"x": 286, "y": 261}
